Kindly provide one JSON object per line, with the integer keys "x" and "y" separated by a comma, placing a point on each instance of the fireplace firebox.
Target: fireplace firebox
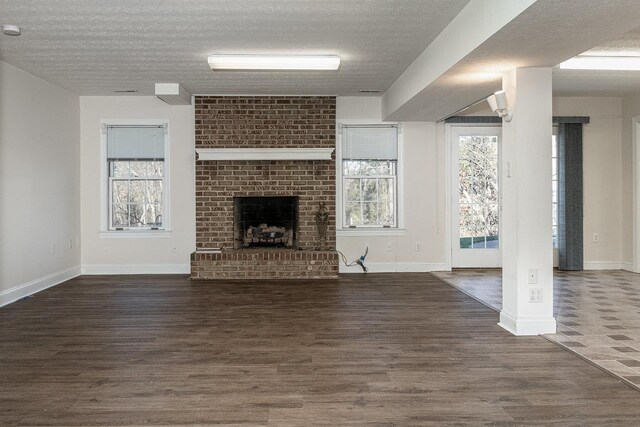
{"x": 265, "y": 221}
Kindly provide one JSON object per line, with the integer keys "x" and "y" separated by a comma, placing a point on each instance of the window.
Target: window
{"x": 554, "y": 185}
{"x": 369, "y": 176}
{"x": 136, "y": 171}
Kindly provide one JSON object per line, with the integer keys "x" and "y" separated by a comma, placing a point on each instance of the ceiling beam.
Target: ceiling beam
{"x": 488, "y": 37}
{"x": 478, "y": 21}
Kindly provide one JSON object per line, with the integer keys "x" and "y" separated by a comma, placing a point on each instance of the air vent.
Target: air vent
{"x": 370, "y": 91}
{"x": 126, "y": 91}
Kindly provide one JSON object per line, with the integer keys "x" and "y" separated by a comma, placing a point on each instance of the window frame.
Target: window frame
{"x": 479, "y": 131}
{"x": 394, "y": 179}
{"x": 112, "y": 179}
{"x": 554, "y": 200}
{"x": 105, "y": 183}
{"x": 556, "y": 255}
{"x": 369, "y": 230}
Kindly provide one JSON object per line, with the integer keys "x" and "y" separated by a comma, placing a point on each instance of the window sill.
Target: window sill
{"x": 142, "y": 234}
{"x": 368, "y": 232}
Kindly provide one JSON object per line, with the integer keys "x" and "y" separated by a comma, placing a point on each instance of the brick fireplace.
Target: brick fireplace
{"x": 232, "y": 242}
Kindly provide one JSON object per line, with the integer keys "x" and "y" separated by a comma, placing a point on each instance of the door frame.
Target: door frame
{"x": 448, "y": 154}
{"x": 635, "y": 188}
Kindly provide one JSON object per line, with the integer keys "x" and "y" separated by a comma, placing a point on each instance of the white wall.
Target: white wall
{"x": 39, "y": 184}
{"x": 422, "y": 209}
{"x": 602, "y": 151}
{"x": 630, "y": 109}
{"x": 605, "y": 208}
{"x": 103, "y": 255}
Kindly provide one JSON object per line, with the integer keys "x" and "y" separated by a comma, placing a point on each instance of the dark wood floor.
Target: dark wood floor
{"x": 401, "y": 349}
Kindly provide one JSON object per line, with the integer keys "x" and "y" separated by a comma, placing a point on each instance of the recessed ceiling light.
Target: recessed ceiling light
{"x": 11, "y": 30}
{"x": 126, "y": 91}
{"x": 370, "y": 91}
{"x": 614, "y": 63}
{"x": 273, "y": 62}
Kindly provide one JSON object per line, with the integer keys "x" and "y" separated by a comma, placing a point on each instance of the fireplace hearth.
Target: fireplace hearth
{"x": 265, "y": 222}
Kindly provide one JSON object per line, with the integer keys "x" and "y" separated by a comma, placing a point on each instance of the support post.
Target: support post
{"x": 527, "y": 247}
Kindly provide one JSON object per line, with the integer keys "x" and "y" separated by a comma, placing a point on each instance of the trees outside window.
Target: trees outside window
{"x": 478, "y": 192}
{"x": 136, "y": 172}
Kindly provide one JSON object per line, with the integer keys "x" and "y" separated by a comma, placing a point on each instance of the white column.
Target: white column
{"x": 527, "y": 247}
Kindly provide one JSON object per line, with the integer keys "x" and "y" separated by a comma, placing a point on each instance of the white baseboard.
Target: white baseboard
{"x": 628, "y": 266}
{"x": 108, "y": 269}
{"x": 395, "y": 267}
{"x": 37, "y": 285}
{"x": 602, "y": 265}
{"x": 524, "y": 326}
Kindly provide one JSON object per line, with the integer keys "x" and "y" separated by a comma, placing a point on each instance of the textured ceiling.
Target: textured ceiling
{"x": 545, "y": 34}
{"x": 627, "y": 44}
{"x": 598, "y": 82}
{"x": 97, "y": 47}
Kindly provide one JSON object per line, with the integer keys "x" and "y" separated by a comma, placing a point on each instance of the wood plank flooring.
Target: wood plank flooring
{"x": 401, "y": 349}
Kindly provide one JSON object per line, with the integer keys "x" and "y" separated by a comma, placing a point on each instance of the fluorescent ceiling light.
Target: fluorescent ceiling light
{"x": 622, "y": 63}
{"x": 273, "y": 62}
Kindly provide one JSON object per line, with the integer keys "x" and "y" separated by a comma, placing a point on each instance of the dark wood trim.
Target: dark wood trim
{"x": 497, "y": 120}
{"x": 557, "y": 120}
{"x": 474, "y": 119}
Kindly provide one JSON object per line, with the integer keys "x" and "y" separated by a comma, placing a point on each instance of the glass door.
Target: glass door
{"x": 475, "y": 197}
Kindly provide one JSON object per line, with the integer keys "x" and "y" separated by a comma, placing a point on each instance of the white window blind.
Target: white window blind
{"x": 135, "y": 142}
{"x": 370, "y": 143}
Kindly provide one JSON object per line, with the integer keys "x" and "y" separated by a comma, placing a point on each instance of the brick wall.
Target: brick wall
{"x": 218, "y": 182}
{"x": 263, "y": 122}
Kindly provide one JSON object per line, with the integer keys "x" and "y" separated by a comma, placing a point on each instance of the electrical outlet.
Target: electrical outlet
{"x": 533, "y": 276}
{"x": 596, "y": 238}
{"x": 52, "y": 248}
{"x": 70, "y": 243}
{"x": 389, "y": 247}
{"x": 77, "y": 242}
{"x": 174, "y": 249}
{"x": 418, "y": 247}
{"x": 535, "y": 295}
